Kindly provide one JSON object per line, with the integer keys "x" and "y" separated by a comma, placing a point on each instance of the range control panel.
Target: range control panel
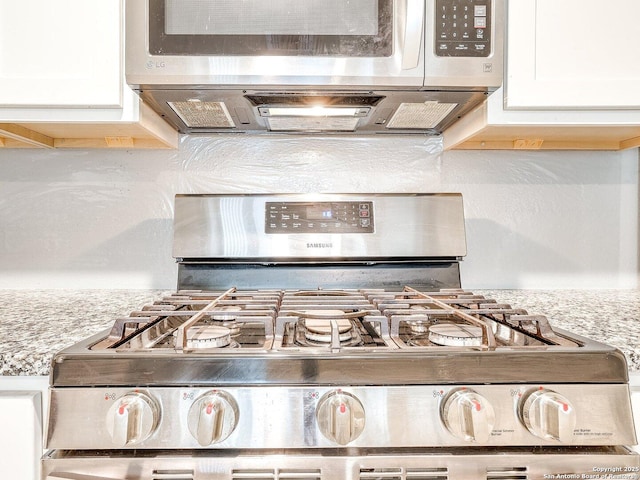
{"x": 323, "y": 217}
{"x": 463, "y": 28}
{"x": 241, "y": 417}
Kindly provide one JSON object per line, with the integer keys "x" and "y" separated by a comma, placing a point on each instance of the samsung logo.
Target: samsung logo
{"x": 319, "y": 245}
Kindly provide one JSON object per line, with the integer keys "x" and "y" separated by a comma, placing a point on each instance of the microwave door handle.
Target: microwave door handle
{"x": 413, "y": 30}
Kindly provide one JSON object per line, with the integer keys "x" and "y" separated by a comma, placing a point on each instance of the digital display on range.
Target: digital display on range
{"x": 324, "y": 217}
{"x": 319, "y": 212}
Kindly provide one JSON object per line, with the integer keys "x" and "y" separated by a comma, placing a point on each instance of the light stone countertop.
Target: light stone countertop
{"x": 37, "y": 323}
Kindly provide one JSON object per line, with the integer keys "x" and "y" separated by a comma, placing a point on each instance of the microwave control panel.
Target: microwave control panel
{"x": 323, "y": 217}
{"x": 463, "y": 28}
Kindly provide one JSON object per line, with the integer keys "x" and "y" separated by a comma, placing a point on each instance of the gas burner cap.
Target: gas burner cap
{"x": 456, "y": 335}
{"x": 318, "y": 325}
{"x": 225, "y": 313}
{"x": 208, "y": 336}
{"x": 418, "y": 326}
{"x": 323, "y": 326}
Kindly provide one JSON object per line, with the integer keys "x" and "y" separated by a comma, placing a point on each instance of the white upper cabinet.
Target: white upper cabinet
{"x": 62, "y": 79}
{"x": 572, "y": 80}
{"x": 60, "y": 53}
{"x": 573, "y": 54}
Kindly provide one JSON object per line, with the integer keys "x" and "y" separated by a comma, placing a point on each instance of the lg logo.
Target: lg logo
{"x": 151, "y": 64}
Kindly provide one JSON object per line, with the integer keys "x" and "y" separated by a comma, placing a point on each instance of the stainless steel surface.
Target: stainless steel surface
{"x": 333, "y": 378}
{"x": 429, "y": 276}
{"x": 378, "y": 376}
{"x": 77, "y": 366}
{"x": 356, "y": 464}
{"x": 411, "y": 74}
{"x": 237, "y": 111}
{"x": 270, "y": 351}
{"x": 268, "y": 70}
{"x": 465, "y": 71}
{"x": 297, "y": 417}
{"x": 234, "y": 228}
{"x": 404, "y": 68}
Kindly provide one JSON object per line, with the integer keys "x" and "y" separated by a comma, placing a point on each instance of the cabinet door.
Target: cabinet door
{"x": 21, "y": 434}
{"x": 573, "y": 54}
{"x": 60, "y": 53}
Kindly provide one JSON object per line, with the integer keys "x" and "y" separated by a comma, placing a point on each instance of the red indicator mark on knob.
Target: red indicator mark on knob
{"x": 209, "y": 409}
{"x": 478, "y": 406}
{"x": 565, "y": 407}
{"x": 343, "y": 408}
{"x": 122, "y": 408}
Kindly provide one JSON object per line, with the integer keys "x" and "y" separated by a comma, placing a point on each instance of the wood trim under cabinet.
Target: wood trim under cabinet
{"x": 25, "y": 136}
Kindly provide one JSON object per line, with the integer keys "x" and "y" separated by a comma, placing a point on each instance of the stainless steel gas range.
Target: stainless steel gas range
{"x": 326, "y": 337}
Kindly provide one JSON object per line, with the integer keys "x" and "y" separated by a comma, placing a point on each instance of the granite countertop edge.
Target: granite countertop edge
{"x": 38, "y": 323}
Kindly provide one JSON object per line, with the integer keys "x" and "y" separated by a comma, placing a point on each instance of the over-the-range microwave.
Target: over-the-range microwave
{"x": 367, "y": 66}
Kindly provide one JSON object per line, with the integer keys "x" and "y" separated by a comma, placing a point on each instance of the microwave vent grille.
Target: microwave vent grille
{"x": 420, "y": 115}
{"x": 196, "y": 113}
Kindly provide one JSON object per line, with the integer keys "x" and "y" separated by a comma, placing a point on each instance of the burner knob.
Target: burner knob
{"x": 213, "y": 417}
{"x": 132, "y": 419}
{"x": 548, "y": 415}
{"x": 340, "y": 416}
{"x": 468, "y": 415}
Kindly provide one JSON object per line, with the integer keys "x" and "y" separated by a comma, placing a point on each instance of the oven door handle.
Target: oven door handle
{"x": 77, "y": 476}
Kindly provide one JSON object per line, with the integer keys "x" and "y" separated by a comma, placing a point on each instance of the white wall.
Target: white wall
{"x": 102, "y": 219}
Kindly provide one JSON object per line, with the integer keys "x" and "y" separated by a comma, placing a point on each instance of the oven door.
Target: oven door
{"x": 275, "y": 42}
{"x": 387, "y": 463}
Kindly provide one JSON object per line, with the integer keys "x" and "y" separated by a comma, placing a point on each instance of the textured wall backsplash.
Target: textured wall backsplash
{"x": 103, "y": 219}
